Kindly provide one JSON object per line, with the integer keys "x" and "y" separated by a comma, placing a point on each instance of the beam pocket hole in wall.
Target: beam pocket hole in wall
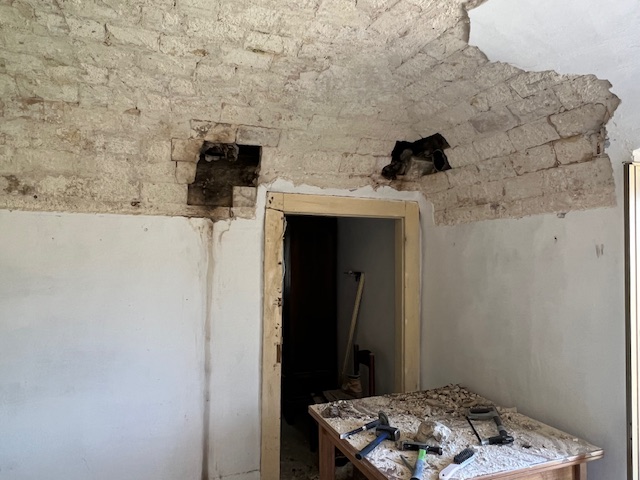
{"x": 222, "y": 166}
{"x": 419, "y": 158}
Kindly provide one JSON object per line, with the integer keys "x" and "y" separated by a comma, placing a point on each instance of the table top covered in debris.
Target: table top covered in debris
{"x": 535, "y": 444}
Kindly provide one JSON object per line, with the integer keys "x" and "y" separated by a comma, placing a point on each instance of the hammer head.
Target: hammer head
{"x": 408, "y": 445}
{"x": 393, "y": 432}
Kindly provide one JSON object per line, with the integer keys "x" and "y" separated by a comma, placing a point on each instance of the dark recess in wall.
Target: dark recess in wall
{"x": 221, "y": 167}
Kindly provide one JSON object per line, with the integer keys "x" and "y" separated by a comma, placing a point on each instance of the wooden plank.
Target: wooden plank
{"x": 326, "y": 455}
{"x": 271, "y": 345}
{"x": 412, "y": 256}
{"x": 399, "y": 331}
{"x": 580, "y": 471}
{"x": 342, "y": 206}
{"x": 275, "y": 200}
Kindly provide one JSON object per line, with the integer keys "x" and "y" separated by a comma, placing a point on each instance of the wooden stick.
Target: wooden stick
{"x": 354, "y": 319}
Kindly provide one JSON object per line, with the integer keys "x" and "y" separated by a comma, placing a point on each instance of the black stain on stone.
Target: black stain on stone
{"x": 15, "y": 186}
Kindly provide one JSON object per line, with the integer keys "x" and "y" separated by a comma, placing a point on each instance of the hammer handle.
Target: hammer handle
{"x": 418, "y": 470}
{"x": 382, "y": 436}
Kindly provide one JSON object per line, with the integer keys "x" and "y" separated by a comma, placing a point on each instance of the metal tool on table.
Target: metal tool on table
{"x": 384, "y": 431}
{"x": 382, "y": 419}
{"x": 489, "y": 413}
{"x": 422, "y": 449}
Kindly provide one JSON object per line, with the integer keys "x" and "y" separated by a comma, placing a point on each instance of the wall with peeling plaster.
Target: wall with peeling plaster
{"x": 93, "y": 96}
{"x": 532, "y": 311}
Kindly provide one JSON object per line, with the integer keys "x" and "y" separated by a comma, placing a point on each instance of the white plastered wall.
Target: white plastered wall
{"x": 530, "y": 312}
{"x": 368, "y": 245}
{"x": 103, "y": 359}
{"x": 102, "y": 321}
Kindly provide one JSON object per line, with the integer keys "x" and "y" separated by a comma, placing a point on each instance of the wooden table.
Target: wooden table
{"x": 539, "y": 452}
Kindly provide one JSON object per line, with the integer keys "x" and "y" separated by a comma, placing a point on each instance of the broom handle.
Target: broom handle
{"x": 352, "y": 329}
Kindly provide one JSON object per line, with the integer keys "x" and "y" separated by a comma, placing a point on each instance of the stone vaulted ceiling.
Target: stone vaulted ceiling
{"x": 106, "y": 102}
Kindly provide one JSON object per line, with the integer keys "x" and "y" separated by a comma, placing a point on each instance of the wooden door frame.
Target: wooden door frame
{"x": 407, "y": 318}
{"x": 632, "y": 307}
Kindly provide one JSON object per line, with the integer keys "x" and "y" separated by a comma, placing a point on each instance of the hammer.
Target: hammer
{"x": 384, "y": 432}
{"x": 382, "y": 419}
{"x": 422, "y": 449}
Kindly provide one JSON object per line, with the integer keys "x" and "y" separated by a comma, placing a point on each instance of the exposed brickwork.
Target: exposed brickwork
{"x": 104, "y": 105}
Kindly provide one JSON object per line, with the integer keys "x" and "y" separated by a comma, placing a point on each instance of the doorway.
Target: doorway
{"x": 406, "y": 306}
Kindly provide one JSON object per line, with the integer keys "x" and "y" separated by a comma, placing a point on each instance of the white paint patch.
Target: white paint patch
{"x": 101, "y": 346}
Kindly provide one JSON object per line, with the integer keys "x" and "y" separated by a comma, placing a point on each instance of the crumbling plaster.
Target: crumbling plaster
{"x": 99, "y": 97}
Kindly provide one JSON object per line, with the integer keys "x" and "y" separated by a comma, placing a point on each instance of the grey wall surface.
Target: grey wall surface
{"x": 102, "y": 321}
{"x": 367, "y": 245}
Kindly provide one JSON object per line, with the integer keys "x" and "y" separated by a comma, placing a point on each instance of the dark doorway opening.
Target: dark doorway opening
{"x": 319, "y": 292}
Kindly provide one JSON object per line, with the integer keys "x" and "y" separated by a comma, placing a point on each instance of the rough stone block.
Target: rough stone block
{"x": 495, "y": 96}
{"x": 264, "y": 42}
{"x": 586, "y": 119}
{"x": 573, "y": 150}
{"x": 132, "y": 36}
{"x": 462, "y": 156}
{"x": 580, "y": 90}
{"x": 495, "y": 146}
{"x": 463, "y": 176}
{"x": 530, "y": 83}
{"x": 376, "y": 147}
{"x": 85, "y": 28}
{"x": 455, "y": 216}
{"x": 244, "y": 196}
{"x": 326, "y": 162}
{"x": 496, "y": 169}
{"x": 532, "y": 135}
{"x": 536, "y": 106}
{"x": 94, "y": 75}
{"x": 434, "y": 183}
{"x": 185, "y": 172}
{"x": 483, "y": 193}
{"x": 246, "y": 58}
{"x": 183, "y": 46}
{"x": 159, "y": 193}
{"x": 338, "y": 143}
{"x": 268, "y": 137}
{"x": 451, "y": 41}
{"x": 186, "y": 150}
{"x": 534, "y": 159}
{"x": 461, "y": 134}
{"x": 592, "y": 175}
{"x": 443, "y": 199}
{"x": 495, "y": 120}
{"x": 243, "y": 212}
{"x": 181, "y": 86}
{"x": 222, "y": 133}
{"x": 525, "y": 186}
{"x": 8, "y": 87}
{"x": 494, "y": 73}
{"x": 236, "y": 114}
{"x": 47, "y": 90}
{"x": 357, "y": 164}
{"x": 156, "y": 150}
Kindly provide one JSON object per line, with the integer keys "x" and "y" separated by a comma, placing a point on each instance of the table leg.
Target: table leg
{"x": 326, "y": 455}
{"x": 580, "y": 471}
